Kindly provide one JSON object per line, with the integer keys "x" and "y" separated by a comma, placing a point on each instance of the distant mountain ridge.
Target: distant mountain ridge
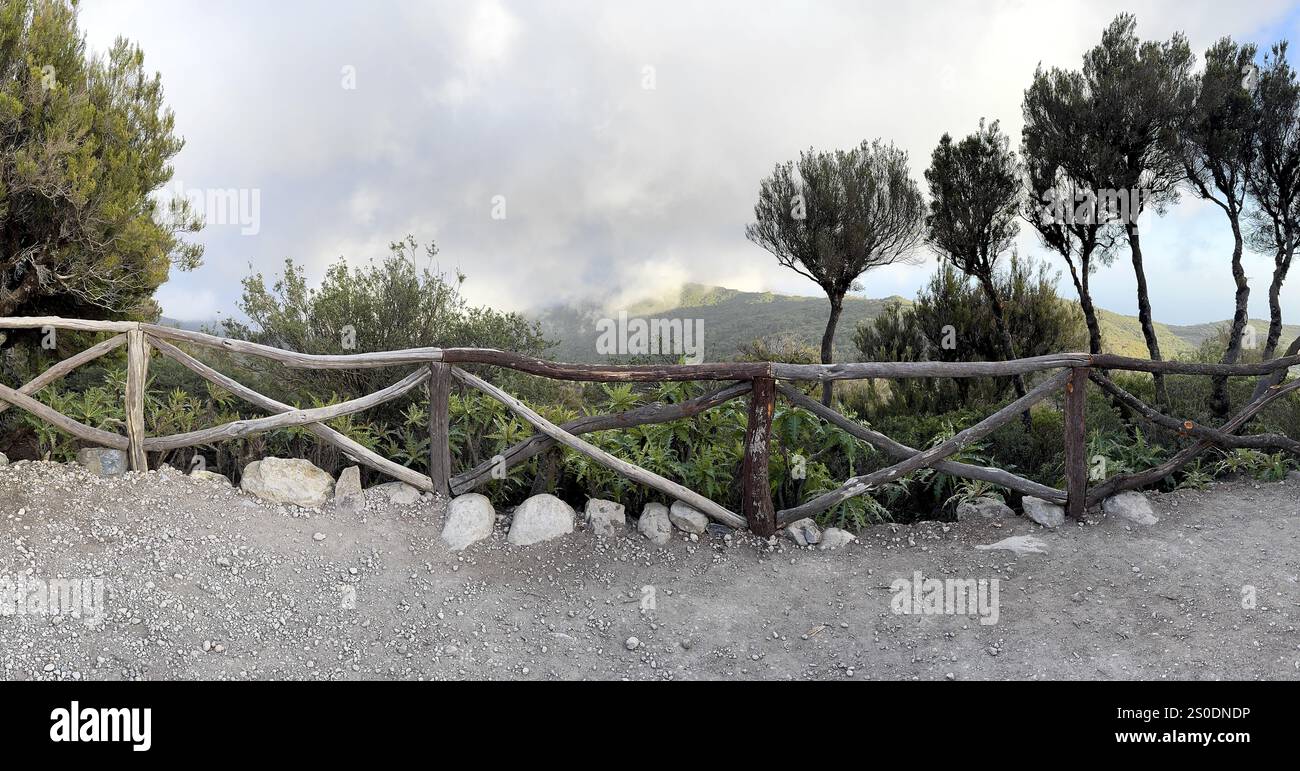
{"x": 733, "y": 318}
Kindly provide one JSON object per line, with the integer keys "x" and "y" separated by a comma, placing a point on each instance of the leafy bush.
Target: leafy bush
{"x": 952, "y": 321}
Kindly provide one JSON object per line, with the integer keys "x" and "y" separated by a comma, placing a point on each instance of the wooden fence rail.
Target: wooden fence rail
{"x": 760, "y": 382}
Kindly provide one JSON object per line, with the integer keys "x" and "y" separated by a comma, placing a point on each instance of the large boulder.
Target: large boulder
{"x": 348, "y": 496}
{"x": 103, "y": 461}
{"x": 1131, "y": 506}
{"x": 983, "y": 508}
{"x": 1043, "y": 512}
{"x": 654, "y": 524}
{"x": 398, "y": 493}
{"x": 469, "y": 520}
{"x": 541, "y": 518}
{"x": 288, "y": 480}
{"x": 605, "y": 518}
{"x": 804, "y": 532}
{"x": 687, "y": 519}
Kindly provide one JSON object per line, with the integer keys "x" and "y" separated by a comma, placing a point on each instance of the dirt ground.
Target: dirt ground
{"x": 204, "y": 582}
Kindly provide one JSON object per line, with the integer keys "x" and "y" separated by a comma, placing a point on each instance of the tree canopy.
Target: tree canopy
{"x": 85, "y": 141}
{"x": 834, "y": 216}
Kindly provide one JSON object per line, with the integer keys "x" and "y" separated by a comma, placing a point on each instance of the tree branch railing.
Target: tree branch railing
{"x": 760, "y": 382}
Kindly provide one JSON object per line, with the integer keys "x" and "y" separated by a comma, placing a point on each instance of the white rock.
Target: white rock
{"x": 605, "y": 518}
{"x": 103, "y": 461}
{"x": 804, "y": 532}
{"x": 1020, "y": 544}
{"x": 984, "y": 507}
{"x": 469, "y": 520}
{"x": 687, "y": 519}
{"x": 169, "y": 473}
{"x": 1132, "y": 506}
{"x": 398, "y": 493}
{"x": 348, "y": 496}
{"x": 541, "y": 518}
{"x": 209, "y": 476}
{"x": 834, "y": 538}
{"x": 4, "y": 459}
{"x": 287, "y": 480}
{"x": 654, "y": 524}
{"x": 1044, "y": 513}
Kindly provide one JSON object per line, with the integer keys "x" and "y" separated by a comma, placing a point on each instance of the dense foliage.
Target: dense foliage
{"x": 84, "y": 143}
{"x": 952, "y": 320}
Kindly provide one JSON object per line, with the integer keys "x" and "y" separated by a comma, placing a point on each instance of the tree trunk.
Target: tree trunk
{"x": 1144, "y": 312}
{"x": 828, "y": 342}
{"x": 1085, "y": 303}
{"x": 1219, "y": 404}
{"x": 1008, "y": 347}
{"x": 1281, "y": 264}
{"x": 1094, "y": 344}
{"x": 11, "y": 300}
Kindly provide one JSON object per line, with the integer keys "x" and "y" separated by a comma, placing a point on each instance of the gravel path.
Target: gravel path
{"x": 203, "y": 582}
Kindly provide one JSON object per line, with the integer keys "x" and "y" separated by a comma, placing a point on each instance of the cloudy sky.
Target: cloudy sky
{"x": 623, "y": 141}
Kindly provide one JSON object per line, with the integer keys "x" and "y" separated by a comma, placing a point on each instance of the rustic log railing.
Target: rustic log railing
{"x": 759, "y": 381}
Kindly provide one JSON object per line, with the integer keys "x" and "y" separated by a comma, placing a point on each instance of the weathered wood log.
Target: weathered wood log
{"x": 1111, "y": 361}
{"x": 629, "y": 470}
{"x": 1187, "y": 454}
{"x": 300, "y": 417}
{"x": 908, "y": 369}
{"x": 137, "y": 375}
{"x": 82, "y": 325}
{"x": 296, "y": 360}
{"x": 347, "y": 446}
{"x": 1076, "y": 443}
{"x": 1273, "y": 378}
{"x": 862, "y": 484}
{"x": 756, "y": 490}
{"x": 658, "y": 412}
{"x": 67, "y": 365}
{"x": 1191, "y": 428}
{"x": 440, "y": 428}
{"x": 62, "y": 422}
{"x": 899, "y": 450}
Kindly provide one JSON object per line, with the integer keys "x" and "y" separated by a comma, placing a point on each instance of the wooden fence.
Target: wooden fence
{"x": 761, "y": 382}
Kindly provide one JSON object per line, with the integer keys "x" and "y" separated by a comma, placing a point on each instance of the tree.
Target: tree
{"x": 1139, "y": 92}
{"x": 1274, "y": 178}
{"x": 84, "y": 142}
{"x": 1065, "y": 202}
{"x": 1218, "y": 148}
{"x": 383, "y": 305}
{"x": 975, "y": 190}
{"x": 831, "y": 217}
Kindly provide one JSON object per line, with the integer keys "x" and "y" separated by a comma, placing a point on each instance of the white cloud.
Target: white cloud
{"x": 610, "y": 187}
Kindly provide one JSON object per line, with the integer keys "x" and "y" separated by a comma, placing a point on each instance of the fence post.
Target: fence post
{"x": 137, "y": 373}
{"x": 756, "y": 492}
{"x": 1076, "y": 429}
{"x": 439, "y": 428}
